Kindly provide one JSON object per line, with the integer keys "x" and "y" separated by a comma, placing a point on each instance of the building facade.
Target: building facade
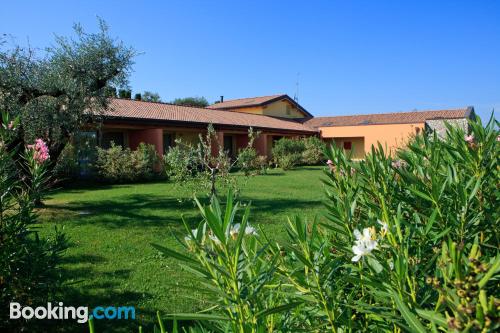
{"x": 128, "y": 123}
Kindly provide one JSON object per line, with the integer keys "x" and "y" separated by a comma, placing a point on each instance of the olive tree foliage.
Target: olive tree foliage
{"x": 56, "y": 91}
{"x": 205, "y": 166}
{"x": 149, "y": 96}
{"x": 200, "y": 102}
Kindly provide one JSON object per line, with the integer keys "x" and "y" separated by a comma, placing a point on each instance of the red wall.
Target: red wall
{"x": 152, "y": 136}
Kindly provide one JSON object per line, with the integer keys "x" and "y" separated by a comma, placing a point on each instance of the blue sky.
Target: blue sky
{"x": 352, "y": 56}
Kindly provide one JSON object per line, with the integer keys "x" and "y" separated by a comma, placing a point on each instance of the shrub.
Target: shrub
{"x": 287, "y": 153}
{"x": 247, "y": 160}
{"x": 77, "y": 157}
{"x": 28, "y": 269}
{"x": 410, "y": 243}
{"x": 232, "y": 265}
{"x": 413, "y": 234}
{"x": 180, "y": 162}
{"x": 124, "y": 165}
{"x": 67, "y": 163}
{"x": 314, "y": 149}
{"x": 207, "y": 166}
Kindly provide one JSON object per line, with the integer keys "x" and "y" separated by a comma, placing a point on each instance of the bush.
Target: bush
{"x": 287, "y": 153}
{"x": 77, "y": 157}
{"x": 28, "y": 269}
{"x": 410, "y": 243}
{"x": 181, "y": 162}
{"x": 67, "y": 163}
{"x": 248, "y": 160}
{"x": 118, "y": 165}
{"x": 314, "y": 149}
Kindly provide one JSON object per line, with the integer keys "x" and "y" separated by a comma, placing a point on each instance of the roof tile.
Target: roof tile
{"x": 245, "y": 102}
{"x": 388, "y": 118}
{"x": 131, "y": 109}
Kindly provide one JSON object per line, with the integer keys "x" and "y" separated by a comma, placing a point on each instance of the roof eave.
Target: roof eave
{"x": 272, "y": 100}
{"x": 195, "y": 124}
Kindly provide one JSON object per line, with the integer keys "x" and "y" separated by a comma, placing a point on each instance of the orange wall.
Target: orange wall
{"x": 357, "y": 150}
{"x": 282, "y": 109}
{"x": 391, "y": 136}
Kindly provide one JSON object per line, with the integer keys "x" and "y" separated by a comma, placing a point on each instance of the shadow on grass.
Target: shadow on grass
{"x": 140, "y": 211}
{"x": 103, "y": 292}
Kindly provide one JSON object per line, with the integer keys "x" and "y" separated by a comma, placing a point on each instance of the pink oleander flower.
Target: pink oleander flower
{"x": 498, "y": 138}
{"x": 329, "y": 162}
{"x": 469, "y": 138}
{"x": 398, "y": 164}
{"x": 41, "y": 151}
{"x": 10, "y": 125}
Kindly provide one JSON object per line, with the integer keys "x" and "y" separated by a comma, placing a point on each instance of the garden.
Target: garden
{"x": 201, "y": 242}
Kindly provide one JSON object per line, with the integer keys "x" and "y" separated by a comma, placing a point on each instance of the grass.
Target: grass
{"x": 110, "y": 228}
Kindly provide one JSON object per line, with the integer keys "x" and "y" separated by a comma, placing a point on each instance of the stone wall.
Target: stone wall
{"x": 438, "y": 125}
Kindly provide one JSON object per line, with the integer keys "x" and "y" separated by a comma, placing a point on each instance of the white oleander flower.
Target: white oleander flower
{"x": 364, "y": 243}
{"x": 383, "y": 227}
{"x": 361, "y": 249}
{"x": 214, "y": 239}
{"x": 189, "y": 238}
{"x": 365, "y": 236}
{"x": 235, "y": 230}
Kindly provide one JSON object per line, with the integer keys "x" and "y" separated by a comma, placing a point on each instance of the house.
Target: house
{"x": 129, "y": 122}
{"x": 357, "y": 134}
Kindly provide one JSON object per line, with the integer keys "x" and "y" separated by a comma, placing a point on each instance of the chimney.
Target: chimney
{"x": 222, "y": 99}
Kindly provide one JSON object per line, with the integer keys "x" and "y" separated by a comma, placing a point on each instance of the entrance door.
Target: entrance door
{"x": 228, "y": 145}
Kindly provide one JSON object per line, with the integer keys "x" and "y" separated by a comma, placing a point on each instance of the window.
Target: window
{"x": 288, "y": 111}
{"x": 168, "y": 141}
{"x": 347, "y": 145}
{"x": 228, "y": 145}
{"x": 417, "y": 130}
{"x": 115, "y": 137}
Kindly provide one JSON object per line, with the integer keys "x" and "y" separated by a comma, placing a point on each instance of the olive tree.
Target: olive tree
{"x": 57, "y": 91}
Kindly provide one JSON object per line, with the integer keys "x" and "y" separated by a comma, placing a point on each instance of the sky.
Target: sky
{"x": 348, "y": 57}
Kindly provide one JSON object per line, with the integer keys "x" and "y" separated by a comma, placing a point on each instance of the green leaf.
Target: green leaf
{"x": 421, "y": 194}
{"x": 494, "y": 269}
{"x": 409, "y": 317}
{"x": 172, "y": 253}
{"x": 160, "y": 322}
{"x": 277, "y": 309}
{"x": 195, "y": 316}
{"x": 433, "y": 317}
{"x": 91, "y": 325}
{"x": 374, "y": 264}
{"x": 431, "y": 221}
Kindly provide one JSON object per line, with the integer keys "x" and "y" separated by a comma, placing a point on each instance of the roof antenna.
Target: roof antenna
{"x": 296, "y": 96}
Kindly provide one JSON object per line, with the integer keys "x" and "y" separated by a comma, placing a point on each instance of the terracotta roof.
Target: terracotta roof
{"x": 162, "y": 113}
{"x": 389, "y": 118}
{"x": 245, "y": 102}
{"x": 255, "y": 101}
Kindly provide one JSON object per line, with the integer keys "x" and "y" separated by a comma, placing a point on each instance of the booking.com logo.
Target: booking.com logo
{"x": 61, "y": 312}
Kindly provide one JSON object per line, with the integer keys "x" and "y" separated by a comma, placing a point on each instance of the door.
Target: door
{"x": 228, "y": 145}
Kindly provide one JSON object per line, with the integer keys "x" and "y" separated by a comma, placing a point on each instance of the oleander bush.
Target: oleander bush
{"x": 118, "y": 165}
{"x": 313, "y": 153}
{"x": 29, "y": 266}
{"x": 409, "y": 243}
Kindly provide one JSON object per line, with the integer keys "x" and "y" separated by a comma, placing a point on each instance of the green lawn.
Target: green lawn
{"x": 110, "y": 229}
